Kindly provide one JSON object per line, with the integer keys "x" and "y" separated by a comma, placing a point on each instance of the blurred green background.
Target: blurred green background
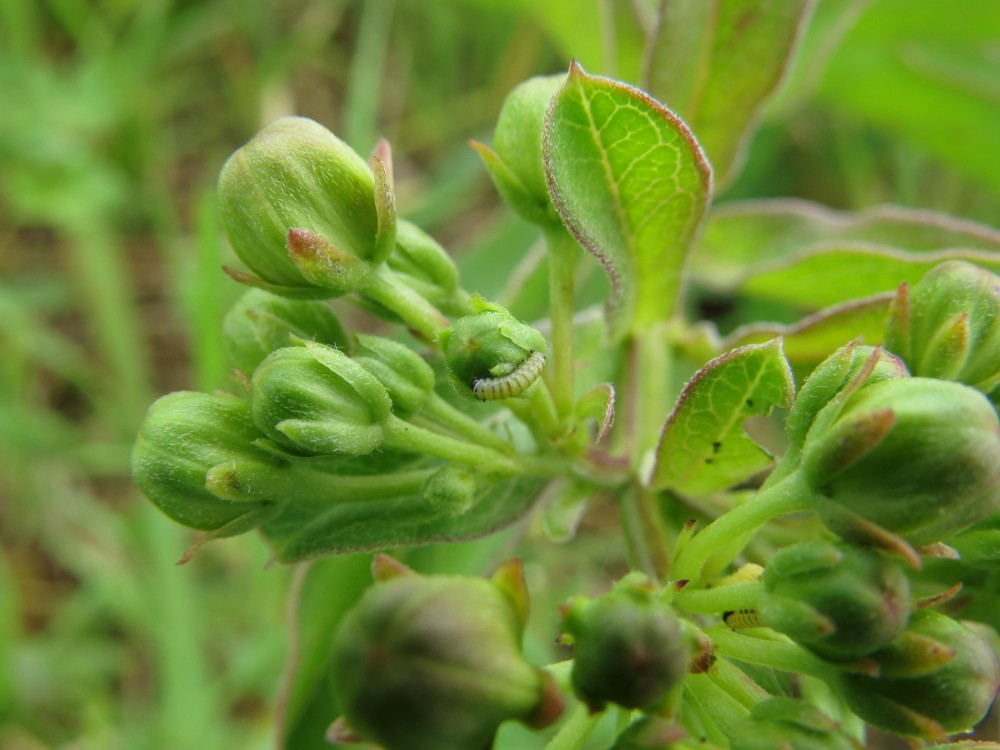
{"x": 115, "y": 116}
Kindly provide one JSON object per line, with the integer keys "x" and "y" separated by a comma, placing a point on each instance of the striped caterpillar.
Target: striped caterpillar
{"x": 742, "y": 618}
{"x": 514, "y": 383}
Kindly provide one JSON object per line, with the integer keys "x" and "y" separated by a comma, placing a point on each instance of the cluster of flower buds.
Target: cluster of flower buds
{"x": 431, "y": 662}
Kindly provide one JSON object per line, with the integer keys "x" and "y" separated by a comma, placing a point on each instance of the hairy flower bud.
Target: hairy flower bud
{"x": 515, "y": 162}
{"x": 836, "y": 373}
{"x": 937, "y": 678}
{"x": 839, "y": 601}
{"x": 405, "y": 375}
{"x": 434, "y": 662}
{"x": 917, "y": 457}
{"x": 424, "y": 266}
{"x": 314, "y": 400}
{"x": 948, "y": 325}
{"x": 184, "y": 435}
{"x": 299, "y": 207}
{"x": 489, "y": 344}
{"x": 628, "y": 647}
{"x": 789, "y": 724}
{"x": 261, "y": 322}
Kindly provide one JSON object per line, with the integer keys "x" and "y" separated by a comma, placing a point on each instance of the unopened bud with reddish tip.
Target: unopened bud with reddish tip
{"x": 936, "y": 679}
{"x": 628, "y": 647}
{"x": 839, "y": 601}
{"x": 916, "y": 457}
{"x": 948, "y": 325}
{"x": 432, "y": 662}
{"x": 300, "y": 209}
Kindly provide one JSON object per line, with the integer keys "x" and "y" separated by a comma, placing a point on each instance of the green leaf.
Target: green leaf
{"x": 810, "y": 341}
{"x": 703, "y": 447}
{"x": 717, "y": 63}
{"x": 742, "y": 235}
{"x": 306, "y": 531}
{"x": 631, "y": 183}
{"x": 823, "y": 276}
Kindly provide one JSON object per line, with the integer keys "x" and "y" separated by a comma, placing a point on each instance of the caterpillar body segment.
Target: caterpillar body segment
{"x": 740, "y": 619}
{"x": 514, "y": 383}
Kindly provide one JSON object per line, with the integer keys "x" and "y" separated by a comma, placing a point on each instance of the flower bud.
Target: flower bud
{"x": 937, "y": 678}
{"x": 424, "y": 266}
{"x": 789, "y": 724}
{"x": 299, "y": 207}
{"x": 948, "y": 325}
{"x": 628, "y": 647}
{"x": 839, "y": 601}
{"x": 433, "y": 662}
{"x": 515, "y": 162}
{"x": 261, "y": 322}
{"x": 455, "y": 490}
{"x": 405, "y": 375}
{"x": 836, "y": 373}
{"x": 917, "y": 457}
{"x": 490, "y": 343}
{"x": 184, "y": 435}
{"x": 314, "y": 400}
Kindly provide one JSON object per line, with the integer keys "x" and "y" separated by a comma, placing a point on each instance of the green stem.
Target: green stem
{"x": 575, "y": 730}
{"x": 562, "y": 261}
{"x": 719, "y": 709}
{"x": 737, "y": 684}
{"x": 415, "y": 311}
{"x": 633, "y": 530}
{"x": 720, "y": 599}
{"x": 651, "y": 364}
{"x": 403, "y": 436}
{"x": 783, "y": 655}
{"x": 444, "y": 414}
{"x": 544, "y": 409}
{"x": 787, "y": 496}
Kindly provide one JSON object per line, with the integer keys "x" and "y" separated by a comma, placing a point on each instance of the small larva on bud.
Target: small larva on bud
{"x": 514, "y": 383}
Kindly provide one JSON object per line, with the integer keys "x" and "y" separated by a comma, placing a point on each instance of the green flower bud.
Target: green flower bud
{"x": 515, "y": 162}
{"x": 261, "y": 322}
{"x": 628, "y": 647}
{"x": 405, "y": 375}
{"x": 839, "y": 601}
{"x": 490, "y": 343}
{"x": 427, "y": 663}
{"x": 836, "y": 373}
{"x": 455, "y": 490}
{"x": 917, "y": 457}
{"x": 948, "y": 325}
{"x": 186, "y": 434}
{"x": 299, "y": 207}
{"x": 937, "y": 678}
{"x": 789, "y": 724}
{"x": 314, "y": 400}
{"x": 424, "y": 266}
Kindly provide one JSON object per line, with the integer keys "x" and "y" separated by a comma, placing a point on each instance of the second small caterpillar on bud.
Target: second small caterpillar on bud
{"x": 514, "y": 383}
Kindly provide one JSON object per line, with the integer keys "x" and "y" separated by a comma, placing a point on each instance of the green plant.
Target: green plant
{"x": 341, "y": 445}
